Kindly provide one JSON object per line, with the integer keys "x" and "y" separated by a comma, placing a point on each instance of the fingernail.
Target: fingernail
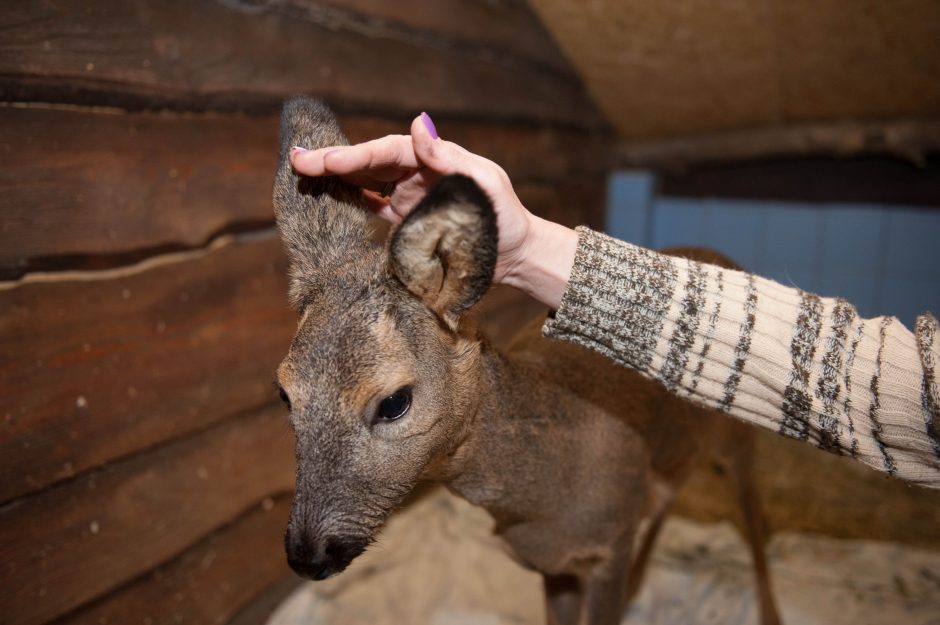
{"x": 429, "y": 125}
{"x": 298, "y": 150}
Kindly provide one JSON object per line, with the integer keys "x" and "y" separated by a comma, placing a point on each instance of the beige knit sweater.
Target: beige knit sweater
{"x": 803, "y": 365}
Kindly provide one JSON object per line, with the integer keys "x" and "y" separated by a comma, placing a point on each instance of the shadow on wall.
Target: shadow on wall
{"x": 885, "y": 259}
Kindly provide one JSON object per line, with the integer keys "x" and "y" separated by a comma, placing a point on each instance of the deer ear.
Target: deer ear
{"x": 320, "y": 219}
{"x": 445, "y": 250}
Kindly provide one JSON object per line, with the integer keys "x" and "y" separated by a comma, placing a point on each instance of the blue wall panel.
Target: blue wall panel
{"x": 735, "y": 228}
{"x": 632, "y": 195}
{"x": 677, "y": 222}
{"x": 853, "y": 237}
{"x": 905, "y": 297}
{"x": 883, "y": 259}
{"x": 792, "y": 243}
{"x": 914, "y": 241}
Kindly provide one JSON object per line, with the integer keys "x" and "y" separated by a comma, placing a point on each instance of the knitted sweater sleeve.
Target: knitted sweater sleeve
{"x": 805, "y": 366}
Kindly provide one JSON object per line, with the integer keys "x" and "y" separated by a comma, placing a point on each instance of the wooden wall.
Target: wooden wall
{"x": 145, "y": 463}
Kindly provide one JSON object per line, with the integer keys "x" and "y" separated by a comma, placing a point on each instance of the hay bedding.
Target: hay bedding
{"x": 438, "y": 563}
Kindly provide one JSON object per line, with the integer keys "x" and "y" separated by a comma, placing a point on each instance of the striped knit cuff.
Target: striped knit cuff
{"x": 616, "y": 301}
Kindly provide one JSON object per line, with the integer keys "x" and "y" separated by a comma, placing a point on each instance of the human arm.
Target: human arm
{"x": 802, "y": 365}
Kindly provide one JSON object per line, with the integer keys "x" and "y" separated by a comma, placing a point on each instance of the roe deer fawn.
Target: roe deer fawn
{"x": 388, "y": 384}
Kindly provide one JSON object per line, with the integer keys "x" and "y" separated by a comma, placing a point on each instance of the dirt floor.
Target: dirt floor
{"x": 438, "y": 563}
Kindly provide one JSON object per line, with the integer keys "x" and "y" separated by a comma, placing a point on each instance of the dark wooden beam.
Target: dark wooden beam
{"x": 906, "y": 139}
{"x": 504, "y": 31}
{"x": 869, "y": 179}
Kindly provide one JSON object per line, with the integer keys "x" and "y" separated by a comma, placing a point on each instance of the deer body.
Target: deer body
{"x": 544, "y": 462}
{"x": 570, "y": 454}
{"x": 389, "y": 385}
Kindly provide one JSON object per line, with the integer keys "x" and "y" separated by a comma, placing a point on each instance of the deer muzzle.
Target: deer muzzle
{"x": 321, "y": 558}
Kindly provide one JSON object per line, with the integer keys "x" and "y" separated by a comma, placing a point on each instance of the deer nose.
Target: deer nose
{"x": 320, "y": 559}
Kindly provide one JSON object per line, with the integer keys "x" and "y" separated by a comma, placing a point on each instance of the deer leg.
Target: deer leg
{"x": 740, "y": 462}
{"x": 603, "y": 593}
{"x": 664, "y": 495}
{"x": 757, "y": 537}
{"x": 562, "y": 599}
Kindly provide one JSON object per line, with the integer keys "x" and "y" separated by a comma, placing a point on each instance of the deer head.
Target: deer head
{"x": 382, "y": 376}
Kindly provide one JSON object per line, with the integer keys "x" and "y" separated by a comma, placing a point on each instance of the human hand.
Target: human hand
{"x": 533, "y": 254}
{"x": 414, "y": 163}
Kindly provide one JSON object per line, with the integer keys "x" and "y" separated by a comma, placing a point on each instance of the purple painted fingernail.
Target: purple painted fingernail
{"x": 429, "y": 125}
{"x": 298, "y": 150}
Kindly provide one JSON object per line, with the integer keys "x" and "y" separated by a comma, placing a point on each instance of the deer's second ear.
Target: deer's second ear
{"x": 445, "y": 250}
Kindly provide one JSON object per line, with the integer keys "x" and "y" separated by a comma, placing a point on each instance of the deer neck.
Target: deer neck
{"x": 492, "y": 464}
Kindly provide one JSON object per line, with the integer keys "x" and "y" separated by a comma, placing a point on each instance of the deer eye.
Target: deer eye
{"x": 394, "y": 406}
{"x": 283, "y": 395}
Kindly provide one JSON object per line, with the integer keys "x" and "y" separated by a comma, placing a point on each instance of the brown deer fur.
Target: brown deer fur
{"x": 568, "y": 452}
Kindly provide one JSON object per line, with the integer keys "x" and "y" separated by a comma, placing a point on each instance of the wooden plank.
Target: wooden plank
{"x": 82, "y": 182}
{"x": 98, "y": 365}
{"x": 248, "y": 56}
{"x": 77, "y": 541}
{"x": 495, "y": 28}
{"x": 208, "y": 584}
{"x": 87, "y": 182}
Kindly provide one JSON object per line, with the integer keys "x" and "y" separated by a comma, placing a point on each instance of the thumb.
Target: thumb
{"x": 441, "y": 156}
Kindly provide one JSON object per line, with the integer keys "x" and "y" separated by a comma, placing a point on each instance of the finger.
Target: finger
{"x": 393, "y": 151}
{"x": 442, "y": 156}
{"x": 386, "y": 152}
{"x": 310, "y": 162}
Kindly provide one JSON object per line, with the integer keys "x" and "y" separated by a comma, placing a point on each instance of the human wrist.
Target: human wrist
{"x": 544, "y": 266}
